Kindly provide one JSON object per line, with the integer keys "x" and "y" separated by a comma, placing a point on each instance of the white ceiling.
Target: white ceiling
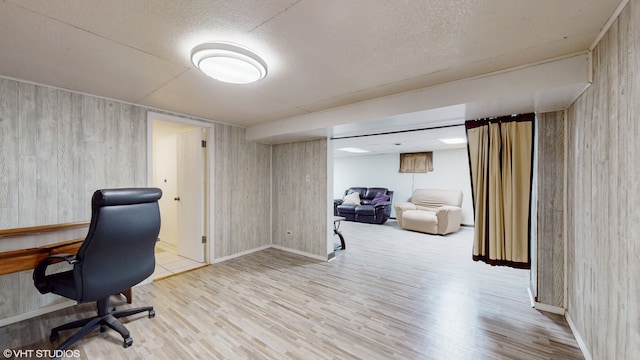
{"x": 336, "y": 67}
{"x": 400, "y": 142}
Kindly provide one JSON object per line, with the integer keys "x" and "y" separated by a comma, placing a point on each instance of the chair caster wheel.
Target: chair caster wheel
{"x": 54, "y": 337}
{"x": 127, "y": 342}
{"x": 152, "y": 314}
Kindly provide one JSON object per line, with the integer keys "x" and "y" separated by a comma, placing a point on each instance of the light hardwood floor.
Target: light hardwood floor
{"x": 392, "y": 294}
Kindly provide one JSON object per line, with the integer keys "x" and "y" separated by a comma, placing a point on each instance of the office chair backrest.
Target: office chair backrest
{"x": 118, "y": 251}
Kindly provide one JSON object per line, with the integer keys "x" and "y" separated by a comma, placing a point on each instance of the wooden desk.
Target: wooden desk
{"x": 27, "y": 259}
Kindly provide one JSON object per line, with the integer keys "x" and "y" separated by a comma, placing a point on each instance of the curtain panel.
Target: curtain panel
{"x": 500, "y": 159}
{"x": 416, "y": 162}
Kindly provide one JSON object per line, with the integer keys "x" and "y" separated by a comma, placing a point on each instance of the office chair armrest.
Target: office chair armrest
{"x": 41, "y": 268}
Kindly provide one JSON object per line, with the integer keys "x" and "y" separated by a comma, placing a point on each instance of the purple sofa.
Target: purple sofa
{"x": 374, "y": 208}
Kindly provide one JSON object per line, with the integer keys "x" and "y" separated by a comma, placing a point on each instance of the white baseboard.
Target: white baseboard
{"x": 544, "y": 307}
{"x": 579, "y": 340}
{"x": 37, "y": 312}
{"x": 298, "y": 252}
{"x": 246, "y": 252}
{"x": 532, "y": 300}
{"x": 283, "y": 248}
{"x": 561, "y": 311}
{"x": 549, "y": 308}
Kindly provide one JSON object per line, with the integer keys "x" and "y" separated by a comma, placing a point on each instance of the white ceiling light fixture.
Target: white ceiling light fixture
{"x": 229, "y": 62}
{"x": 353, "y": 150}
{"x": 452, "y": 141}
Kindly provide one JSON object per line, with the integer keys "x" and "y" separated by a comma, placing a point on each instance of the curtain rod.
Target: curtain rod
{"x": 395, "y": 132}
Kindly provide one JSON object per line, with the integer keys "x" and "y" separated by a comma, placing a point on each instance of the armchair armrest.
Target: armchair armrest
{"x": 449, "y": 218}
{"x": 400, "y": 208}
{"x": 41, "y": 268}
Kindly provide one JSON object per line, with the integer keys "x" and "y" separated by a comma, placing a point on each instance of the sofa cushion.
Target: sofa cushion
{"x": 360, "y": 190}
{"x": 419, "y": 220}
{"x": 347, "y": 209}
{"x": 372, "y": 192}
{"x": 366, "y": 210}
{"x": 353, "y": 198}
{"x": 434, "y": 198}
{"x": 380, "y": 197}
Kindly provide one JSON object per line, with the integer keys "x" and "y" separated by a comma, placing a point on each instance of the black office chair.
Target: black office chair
{"x": 117, "y": 254}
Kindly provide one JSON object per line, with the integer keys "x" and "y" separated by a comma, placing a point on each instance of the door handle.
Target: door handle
{"x": 176, "y": 198}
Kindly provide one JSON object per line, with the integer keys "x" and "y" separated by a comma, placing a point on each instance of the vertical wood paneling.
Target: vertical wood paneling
{"x": 77, "y": 125}
{"x": 8, "y": 153}
{"x": 26, "y": 113}
{"x": 603, "y": 197}
{"x": 64, "y": 137}
{"x": 112, "y": 143}
{"x": 632, "y": 134}
{"x": 221, "y": 200}
{"x": 27, "y": 133}
{"x": 137, "y": 136}
{"x": 27, "y": 212}
{"x": 300, "y": 203}
{"x": 124, "y": 144}
{"x": 46, "y": 159}
{"x": 242, "y": 192}
{"x": 56, "y": 149}
{"x": 550, "y": 217}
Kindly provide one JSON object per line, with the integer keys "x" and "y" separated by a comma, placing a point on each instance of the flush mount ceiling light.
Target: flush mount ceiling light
{"x": 229, "y": 63}
{"x": 452, "y": 141}
{"x": 353, "y": 150}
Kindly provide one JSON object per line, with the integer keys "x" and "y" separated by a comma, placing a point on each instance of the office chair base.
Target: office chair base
{"x": 103, "y": 321}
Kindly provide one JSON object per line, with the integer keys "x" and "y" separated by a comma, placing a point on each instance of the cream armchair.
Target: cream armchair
{"x": 431, "y": 211}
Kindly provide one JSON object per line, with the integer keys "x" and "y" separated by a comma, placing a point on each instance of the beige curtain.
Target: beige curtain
{"x": 500, "y": 160}
{"x": 416, "y": 162}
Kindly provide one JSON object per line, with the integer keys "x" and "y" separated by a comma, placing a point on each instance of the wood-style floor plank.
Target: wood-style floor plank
{"x": 393, "y": 294}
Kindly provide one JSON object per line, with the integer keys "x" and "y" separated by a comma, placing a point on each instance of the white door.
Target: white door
{"x": 190, "y": 195}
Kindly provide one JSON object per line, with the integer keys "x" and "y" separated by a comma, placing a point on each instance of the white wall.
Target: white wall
{"x": 450, "y": 171}
{"x": 165, "y": 178}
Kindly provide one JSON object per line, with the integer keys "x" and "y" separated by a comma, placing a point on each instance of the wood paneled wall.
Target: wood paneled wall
{"x": 57, "y": 147}
{"x": 300, "y": 196}
{"x": 242, "y": 192}
{"x": 603, "y": 216}
{"x": 550, "y": 215}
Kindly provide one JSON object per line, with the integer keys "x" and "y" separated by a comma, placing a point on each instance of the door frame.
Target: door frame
{"x": 208, "y": 221}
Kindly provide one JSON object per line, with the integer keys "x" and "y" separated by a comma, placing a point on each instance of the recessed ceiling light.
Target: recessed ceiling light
{"x": 228, "y": 62}
{"x": 353, "y": 150}
{"x": 452, "y": 141}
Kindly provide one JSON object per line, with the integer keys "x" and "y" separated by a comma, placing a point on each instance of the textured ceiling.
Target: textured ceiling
{"x": 322, "y": 54}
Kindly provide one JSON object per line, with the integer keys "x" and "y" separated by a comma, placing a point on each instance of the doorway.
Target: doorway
{"x": 178, "y": 166}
